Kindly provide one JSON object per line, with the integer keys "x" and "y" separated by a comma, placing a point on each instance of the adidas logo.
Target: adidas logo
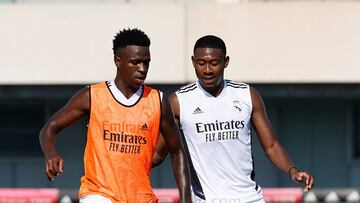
{"x": 144, "y": 127}
{"x": 197, "y": 111}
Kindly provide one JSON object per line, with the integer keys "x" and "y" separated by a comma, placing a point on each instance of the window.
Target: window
{"x": 356, "y": 130}
{"x": 19, "y": 129}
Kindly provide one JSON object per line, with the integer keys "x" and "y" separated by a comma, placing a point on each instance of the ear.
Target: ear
{"x": 193, "y": 60}
{"x": 227, "y": 59}
{"x": 117, "y": 61}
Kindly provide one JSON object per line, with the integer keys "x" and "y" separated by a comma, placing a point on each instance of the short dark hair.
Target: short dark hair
{"x": 129, "y": 36}
{"x": 210, "y": 41}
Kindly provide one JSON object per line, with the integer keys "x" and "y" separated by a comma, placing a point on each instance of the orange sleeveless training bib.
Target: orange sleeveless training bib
{"x": 120, "y": 144}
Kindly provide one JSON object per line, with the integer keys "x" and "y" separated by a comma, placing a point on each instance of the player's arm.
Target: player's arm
{"x": 275, "y": 152}
{"x": 171, "y": 135}
{"x": 160, "y": 151}
{"x": 76, "y": 107}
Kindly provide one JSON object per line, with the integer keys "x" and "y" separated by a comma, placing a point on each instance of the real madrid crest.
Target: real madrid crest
{"x": 237, "y": 106}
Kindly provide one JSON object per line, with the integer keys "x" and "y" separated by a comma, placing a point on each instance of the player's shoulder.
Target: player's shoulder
{"x": 187, "y": 88}
{"x": 237, "y": 84}
{"x": 147, "y": 89}
{"x": 99, "y": 85}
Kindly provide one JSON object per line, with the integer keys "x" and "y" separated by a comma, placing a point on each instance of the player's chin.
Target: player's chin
{"x": 208, "y": 83}
{"x": 139, "y": 81}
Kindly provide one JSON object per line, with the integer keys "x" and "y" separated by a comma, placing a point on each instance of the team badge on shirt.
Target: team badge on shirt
{"x": 237, "y": 106}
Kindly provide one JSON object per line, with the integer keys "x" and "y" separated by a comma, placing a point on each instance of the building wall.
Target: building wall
{"x": 285, "y": 41}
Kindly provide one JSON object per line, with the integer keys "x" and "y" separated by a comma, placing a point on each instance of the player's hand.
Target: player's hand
{"x": 54, "y": 165}
{"x": 304, "y": 178}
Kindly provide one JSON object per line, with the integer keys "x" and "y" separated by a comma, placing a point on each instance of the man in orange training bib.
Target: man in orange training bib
{"x": 125, "y": 119}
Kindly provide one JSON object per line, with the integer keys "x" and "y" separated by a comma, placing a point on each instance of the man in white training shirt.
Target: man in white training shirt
{"x": 215, "y": 117}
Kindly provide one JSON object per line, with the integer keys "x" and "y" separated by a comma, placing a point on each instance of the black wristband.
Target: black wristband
{"x": 292, "y": 167}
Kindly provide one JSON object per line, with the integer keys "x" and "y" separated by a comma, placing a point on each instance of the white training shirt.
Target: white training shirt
{"x": 217, "y": 132}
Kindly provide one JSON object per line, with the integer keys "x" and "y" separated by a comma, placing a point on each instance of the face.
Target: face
{"x": 132, "y": 64}
{"x": 209, "y": 64}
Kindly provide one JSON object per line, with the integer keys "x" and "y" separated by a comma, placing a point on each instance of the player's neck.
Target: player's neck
{"x": 215, "y": 90}
{"x": 125, "y": 89}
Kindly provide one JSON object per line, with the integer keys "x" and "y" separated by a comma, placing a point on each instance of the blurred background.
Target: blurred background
{"x": 302, "y": 56}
